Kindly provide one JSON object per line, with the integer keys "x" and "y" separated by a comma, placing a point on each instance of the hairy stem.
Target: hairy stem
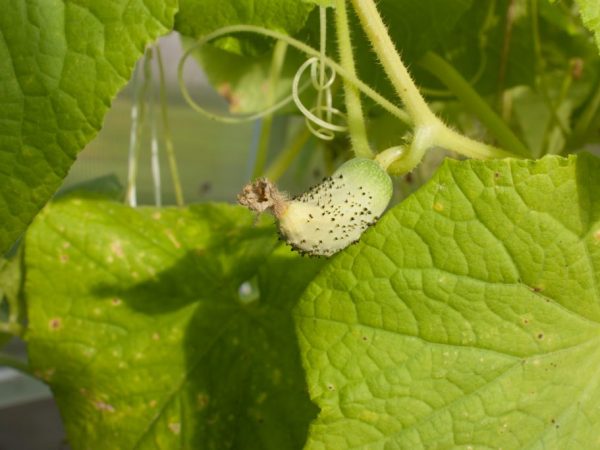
{"x": 585, "y": 120}
{"x": 448, "y": 75}
{"x": 286, "y": 157}
{"x": 356, "y": 121}
{"x": 452, "y": 140}
{"x": 429, "y": 130}
{"x": 277, "y": 61}
{"x": 395, "y": 69}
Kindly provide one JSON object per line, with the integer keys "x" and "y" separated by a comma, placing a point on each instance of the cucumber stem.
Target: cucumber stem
{"x": 389, "y": 57}
{"x": 430, "y": 131}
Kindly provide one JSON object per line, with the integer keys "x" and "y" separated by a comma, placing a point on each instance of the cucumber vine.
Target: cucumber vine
{"x": 457, "y": 320}
{"x": 428, "y": 130}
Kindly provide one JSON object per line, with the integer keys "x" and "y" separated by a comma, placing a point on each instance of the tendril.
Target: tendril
{"x": 219, "y": 117}
{"x": 334, "y": 67}
{"x": 319, "y": 118}
{"x": 321, "y": 127}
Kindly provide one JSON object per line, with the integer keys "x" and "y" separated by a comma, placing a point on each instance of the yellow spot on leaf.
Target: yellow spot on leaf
{"x": 103, "y": 406}
{"x": 117, "y": 249}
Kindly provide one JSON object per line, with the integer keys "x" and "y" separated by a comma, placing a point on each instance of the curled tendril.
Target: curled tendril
{"x": 219, "y": 117}
{"x": 318, "y": 118}
{"x": 334, "y": 67}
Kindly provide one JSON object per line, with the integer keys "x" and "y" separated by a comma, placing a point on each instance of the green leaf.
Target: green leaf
{"x": 468, "y": 317}
{"x": 61, "y": 63}
{"x": 167, "y": 328}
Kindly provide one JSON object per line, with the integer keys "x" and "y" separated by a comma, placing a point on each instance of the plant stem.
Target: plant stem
{"x": 131, "y": 192}
{"x": 322, "y": 56}
{"x": 584, "y": 123}
{"x": 448, "y": 75}
{"x": 380, "y": 39}
{"x": 170, "y": 149}
{"x": 506, "y": 43}
{"x": 286, "y": 157}
{"x": 585, "y": 120}
{"x": 277, "y": 61}
{"x": 541, "y": 84}
{"x": 154, "y": 148}
{"x": 14, "y": 363}
{"x": 452, "y": 140}
{"x": 356, "y": 121}
{"x": 429, "y": 130}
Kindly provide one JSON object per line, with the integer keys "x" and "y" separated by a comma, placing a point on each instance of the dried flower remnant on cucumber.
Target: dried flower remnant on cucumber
{"x": 331, "y": 215}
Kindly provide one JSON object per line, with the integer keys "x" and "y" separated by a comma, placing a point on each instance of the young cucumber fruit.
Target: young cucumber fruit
{"x": 331, "y": 215}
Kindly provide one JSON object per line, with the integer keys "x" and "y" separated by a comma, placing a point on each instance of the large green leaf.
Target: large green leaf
{"x": 167, "y": 328}
{"x": 61, "y": 63}
{"x": 468, "y": 317}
